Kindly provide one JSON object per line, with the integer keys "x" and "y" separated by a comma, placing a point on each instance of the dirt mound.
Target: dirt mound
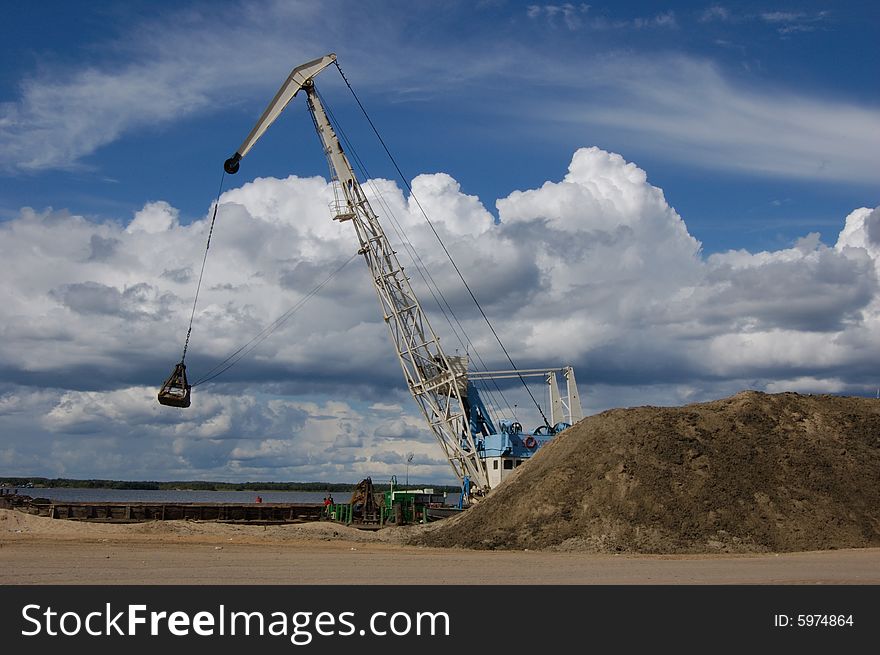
{"x": 750, "y": 473}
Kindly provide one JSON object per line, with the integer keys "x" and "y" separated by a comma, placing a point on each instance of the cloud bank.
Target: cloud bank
{"x": 595, "y": 270}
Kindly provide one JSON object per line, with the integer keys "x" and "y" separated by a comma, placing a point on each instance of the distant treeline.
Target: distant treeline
{"x": 194, "y": 485}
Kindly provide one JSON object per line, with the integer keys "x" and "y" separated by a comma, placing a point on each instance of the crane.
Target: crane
{"x": 439, "y": 382}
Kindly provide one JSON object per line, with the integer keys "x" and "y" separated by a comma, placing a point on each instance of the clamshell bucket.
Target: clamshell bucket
{"x": 175, "y": 391}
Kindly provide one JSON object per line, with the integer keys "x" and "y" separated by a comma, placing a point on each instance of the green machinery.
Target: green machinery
{"x": 371, "y": 508}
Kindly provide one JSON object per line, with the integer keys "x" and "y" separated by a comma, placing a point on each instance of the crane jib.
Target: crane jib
{"x": 438, "y": 382}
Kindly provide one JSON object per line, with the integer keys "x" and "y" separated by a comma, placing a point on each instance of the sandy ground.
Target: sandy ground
{"x": 35, "y": 550}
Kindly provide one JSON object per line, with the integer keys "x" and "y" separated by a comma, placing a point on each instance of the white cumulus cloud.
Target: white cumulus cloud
{"x": 595, "y": 269}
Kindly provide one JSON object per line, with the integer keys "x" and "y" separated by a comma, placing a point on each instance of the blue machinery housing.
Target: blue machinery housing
{"x": 506, "y": 446}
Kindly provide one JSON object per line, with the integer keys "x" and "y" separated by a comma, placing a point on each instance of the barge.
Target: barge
{"x": 136, "y": 512}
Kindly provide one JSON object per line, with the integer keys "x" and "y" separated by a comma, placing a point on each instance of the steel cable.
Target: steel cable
{"x": 442, "y": 244}
{"x": 202, "y": 271}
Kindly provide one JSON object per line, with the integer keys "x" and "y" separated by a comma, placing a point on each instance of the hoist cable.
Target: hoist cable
{"x": 267, "y": 331}
{"x": 442, "y": 245}
{"x": 202, "y": 272}
{"x": 431, "y": 284}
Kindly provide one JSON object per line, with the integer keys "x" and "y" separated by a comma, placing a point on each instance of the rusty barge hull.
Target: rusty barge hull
{"x": 116, "y": 512}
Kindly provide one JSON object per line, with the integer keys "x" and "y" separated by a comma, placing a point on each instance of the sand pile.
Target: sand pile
{"x": 750, "y": 473}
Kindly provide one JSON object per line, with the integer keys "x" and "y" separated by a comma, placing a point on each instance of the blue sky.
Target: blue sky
{"x": 497, "y": 94}
{"x": 686, "y": 188}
